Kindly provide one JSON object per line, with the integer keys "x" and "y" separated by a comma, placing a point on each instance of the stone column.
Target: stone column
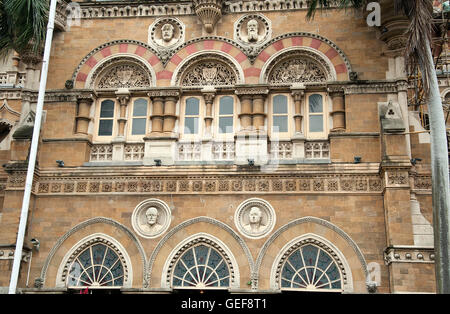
{"x": 208, "y": 96}
{"x": 258, "y": 114}
{"x": 338, "y": 113}
{"x": 123, "y": 96}
{"x": 298, "y": 93}
{"x": 170, "y": 116}
{"x": 83, "y": 115}
{"x": 246, "y": 112}
{"x": 157, "y": 116}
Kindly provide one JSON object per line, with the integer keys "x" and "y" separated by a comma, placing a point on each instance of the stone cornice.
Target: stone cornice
{"x": 408, "y": 254}
{"x": 126, "y": 9}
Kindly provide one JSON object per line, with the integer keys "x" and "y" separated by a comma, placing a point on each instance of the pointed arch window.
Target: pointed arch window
{"x": 97, "y": 265}
{"x": 201, "y": 267}
{"x": 310, "y": 267}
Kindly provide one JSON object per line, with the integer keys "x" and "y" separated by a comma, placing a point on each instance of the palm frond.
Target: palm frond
{"x": 419, "y": 36}
{"x": 25, "y": 22}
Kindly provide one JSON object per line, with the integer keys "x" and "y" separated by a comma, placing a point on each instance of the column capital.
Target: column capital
{"x": 123, "y": 96}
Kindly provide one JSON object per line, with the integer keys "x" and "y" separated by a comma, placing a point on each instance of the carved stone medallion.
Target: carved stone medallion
{"x": 252, "y": 29}
{"x": 165, "y": 34}
{"x": 151, "y": 218}
{"x": 255, "y": 218}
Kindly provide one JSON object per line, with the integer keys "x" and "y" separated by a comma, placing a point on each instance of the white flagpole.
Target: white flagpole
{"x": 33, "y": 151}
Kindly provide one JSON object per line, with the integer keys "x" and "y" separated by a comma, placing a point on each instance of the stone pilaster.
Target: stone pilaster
{"x": 83, "y": 118}
{"x": 338, "y": 113}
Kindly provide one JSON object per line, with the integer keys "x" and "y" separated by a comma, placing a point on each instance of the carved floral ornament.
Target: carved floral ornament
{"x": 121, "y": 73}
{"x": 298, "y": 67}
{"x": 208, "y": 71}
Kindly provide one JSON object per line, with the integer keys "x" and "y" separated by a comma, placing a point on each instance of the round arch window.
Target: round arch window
{"x": 201, "y": 267}
{"x": 310, "y": 267}
{"x": 96, "y": 266}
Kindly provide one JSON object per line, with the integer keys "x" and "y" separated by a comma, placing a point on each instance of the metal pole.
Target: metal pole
{"x": 440, "y": 182}
{"x": 33, "y": 151}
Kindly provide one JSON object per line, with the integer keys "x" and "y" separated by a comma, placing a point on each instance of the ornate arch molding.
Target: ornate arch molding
{"x": 84, "y": 224}
{"x": 121, "y": 71}
{"x": 187, "y": 223}
{"x": 208, "y": 240}
{"x": 88, "y": 241}
{"x": 208, "y": 68}
{"x": 133, "y": 48}
{"x": 321, "y": 242}
{"x": 297, "y": 65}
{"x": 318, "y": 221}
{"x": 315, "y": 41}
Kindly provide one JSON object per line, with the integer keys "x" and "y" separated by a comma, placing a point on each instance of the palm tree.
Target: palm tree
{"x": 418, "y": 54}
{"x": 23, "y": 25}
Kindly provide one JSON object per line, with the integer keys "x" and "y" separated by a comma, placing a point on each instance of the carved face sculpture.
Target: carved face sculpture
{"x": 252, "y": 30}
{"x": 152, "y": 215}
{"x": 255, "y": 215}
{"x": 167, "y": 32}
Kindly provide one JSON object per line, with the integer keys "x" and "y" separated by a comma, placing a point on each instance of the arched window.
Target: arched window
{"x": 310, "y": 267}
{"x": 97, "y": 265}
{"x": 201, "y": 267}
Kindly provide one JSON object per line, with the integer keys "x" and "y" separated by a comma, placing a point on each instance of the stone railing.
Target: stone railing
{"x": 214, "y": 151}
{"x": 101, "y": 152}
{"x": 317, "y": 150}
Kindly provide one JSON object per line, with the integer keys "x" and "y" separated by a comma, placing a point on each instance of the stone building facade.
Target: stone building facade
{"x": 214, "y": 144}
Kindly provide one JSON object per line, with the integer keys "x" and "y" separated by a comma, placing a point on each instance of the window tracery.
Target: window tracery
{"x": 311, "y": 265}
{"x": 96, "y": 263}
{"x": 201, "y": 264}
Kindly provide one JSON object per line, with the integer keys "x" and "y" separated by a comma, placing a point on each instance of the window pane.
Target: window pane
{"x": 192, "y": 106}
{"x": 138, "y": 126}
{"x": 226, "y": 105}
{"x": 315, "y": 103}
{"x": 105, "y": 128}
{"x": 226, "y": 125}
{"x": 107, "y": 109}
{"x": 316, "y": 123}
{"x": 140, "y": 107}
{"x": 280, "y": 104}
{"x": 190, "y": 125}
{"x": 280, "y": 124}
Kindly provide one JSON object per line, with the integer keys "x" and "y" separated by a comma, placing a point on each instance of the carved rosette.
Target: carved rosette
{"x": 209, "y": 12}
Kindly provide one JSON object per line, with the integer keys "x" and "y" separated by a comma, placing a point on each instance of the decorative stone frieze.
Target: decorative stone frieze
{"x": 408, "y": 254}
{"x": 210, "y": 184}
